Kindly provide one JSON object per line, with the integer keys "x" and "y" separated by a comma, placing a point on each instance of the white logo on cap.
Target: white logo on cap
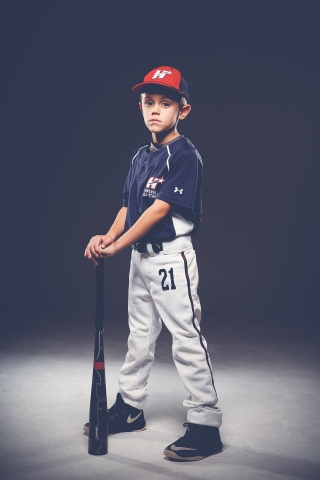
{"x": 161, "y": 74}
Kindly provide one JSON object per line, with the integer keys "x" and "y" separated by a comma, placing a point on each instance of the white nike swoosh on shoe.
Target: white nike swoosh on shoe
{"x": 130, "y": 420}
{"x": 173, "y": 447}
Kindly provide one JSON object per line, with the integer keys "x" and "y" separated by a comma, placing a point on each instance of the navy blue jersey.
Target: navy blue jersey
{"x": 173, "y": 174}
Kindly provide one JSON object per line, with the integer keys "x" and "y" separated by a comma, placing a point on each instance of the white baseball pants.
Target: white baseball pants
{"x": 163, "y": 288}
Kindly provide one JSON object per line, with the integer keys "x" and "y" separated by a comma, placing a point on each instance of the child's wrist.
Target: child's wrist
{"x": 111, "y": 236}
{"x": 117, "y": 247}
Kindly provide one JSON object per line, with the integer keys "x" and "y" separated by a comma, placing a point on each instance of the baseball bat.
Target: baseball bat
{"x": 98, "y": 418}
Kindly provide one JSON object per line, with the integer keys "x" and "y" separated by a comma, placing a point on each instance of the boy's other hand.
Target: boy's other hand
{"x": 95, "y": 245}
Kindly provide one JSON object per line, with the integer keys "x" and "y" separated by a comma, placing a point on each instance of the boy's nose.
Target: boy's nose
{"x": 155, "y": 109}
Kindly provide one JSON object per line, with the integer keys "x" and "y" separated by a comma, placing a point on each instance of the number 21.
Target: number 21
{"x": 164, "y": 272}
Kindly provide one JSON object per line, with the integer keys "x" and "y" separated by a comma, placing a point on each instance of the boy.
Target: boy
{"x": 161, "y": 209}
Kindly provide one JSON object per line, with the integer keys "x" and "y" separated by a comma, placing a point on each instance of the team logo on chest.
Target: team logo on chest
{"x": 153, "y": 182}
{"x": 151, "y": 186}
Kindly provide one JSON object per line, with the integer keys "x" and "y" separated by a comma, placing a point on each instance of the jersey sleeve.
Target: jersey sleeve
{"x": 181, "y": 183}
{"x": 126, "y": 188}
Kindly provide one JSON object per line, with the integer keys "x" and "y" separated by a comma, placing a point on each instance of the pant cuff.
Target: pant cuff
{"x": 130, "y": 400}
{"x": 212, "y": 417}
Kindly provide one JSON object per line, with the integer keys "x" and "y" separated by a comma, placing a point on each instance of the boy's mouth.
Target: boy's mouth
{"x": 153, "y": 120}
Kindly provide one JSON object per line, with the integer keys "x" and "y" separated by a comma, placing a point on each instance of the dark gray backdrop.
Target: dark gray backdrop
{"x": 70, "y": 123}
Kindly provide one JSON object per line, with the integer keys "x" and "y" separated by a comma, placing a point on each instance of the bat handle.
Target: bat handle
{"x": 99, "y": 294}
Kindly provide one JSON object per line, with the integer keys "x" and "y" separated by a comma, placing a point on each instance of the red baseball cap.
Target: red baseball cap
{"x": 167, "y": 77}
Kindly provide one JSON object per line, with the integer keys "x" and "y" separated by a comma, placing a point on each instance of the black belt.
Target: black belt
{"x": 141, "y": 247}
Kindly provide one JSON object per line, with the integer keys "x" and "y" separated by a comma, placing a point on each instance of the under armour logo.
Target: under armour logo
{"x": 176, "y": 189}
{"x": 161, "y": 74}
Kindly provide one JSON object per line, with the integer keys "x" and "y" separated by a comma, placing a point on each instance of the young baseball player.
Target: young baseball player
{"x": 161, "y": 209}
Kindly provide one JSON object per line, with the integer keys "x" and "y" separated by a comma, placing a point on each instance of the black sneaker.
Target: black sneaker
{"x": 122, "y": 418}
{"x": 198, "y": 442}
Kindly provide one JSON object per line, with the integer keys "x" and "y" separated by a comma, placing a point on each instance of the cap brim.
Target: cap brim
{"x": 139, "y": 88}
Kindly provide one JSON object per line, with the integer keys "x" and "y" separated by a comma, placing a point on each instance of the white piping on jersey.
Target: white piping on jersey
{"x": 168, "y": 156}
{"x": 181, "y": 225}
{"x": 138, "y": 152}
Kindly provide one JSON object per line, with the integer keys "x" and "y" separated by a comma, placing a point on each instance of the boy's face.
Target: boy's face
{"x": 160, "y": 112}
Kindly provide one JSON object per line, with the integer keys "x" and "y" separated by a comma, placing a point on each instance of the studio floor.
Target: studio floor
{"x": 266, "y": 377}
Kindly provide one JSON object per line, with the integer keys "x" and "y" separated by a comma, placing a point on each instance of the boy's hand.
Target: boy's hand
{"x": 109, "y": 251}
{"x": 93, "y": 249}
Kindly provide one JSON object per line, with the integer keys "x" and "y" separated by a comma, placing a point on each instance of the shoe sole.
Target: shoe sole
{"x": 86, "y": 431}
{"x": 174, "y": 456}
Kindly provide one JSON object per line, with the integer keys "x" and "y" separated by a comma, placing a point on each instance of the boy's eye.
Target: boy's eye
{"x": 166, "y": 104}
{"x": 148, "y": 103}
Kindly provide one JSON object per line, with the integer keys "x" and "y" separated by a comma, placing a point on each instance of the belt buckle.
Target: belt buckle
{"x": 142, "y": 247}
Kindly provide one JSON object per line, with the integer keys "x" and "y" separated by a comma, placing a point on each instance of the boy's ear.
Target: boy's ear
{"x": 140, "y": 106}
{"x": 185, "y": 110}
